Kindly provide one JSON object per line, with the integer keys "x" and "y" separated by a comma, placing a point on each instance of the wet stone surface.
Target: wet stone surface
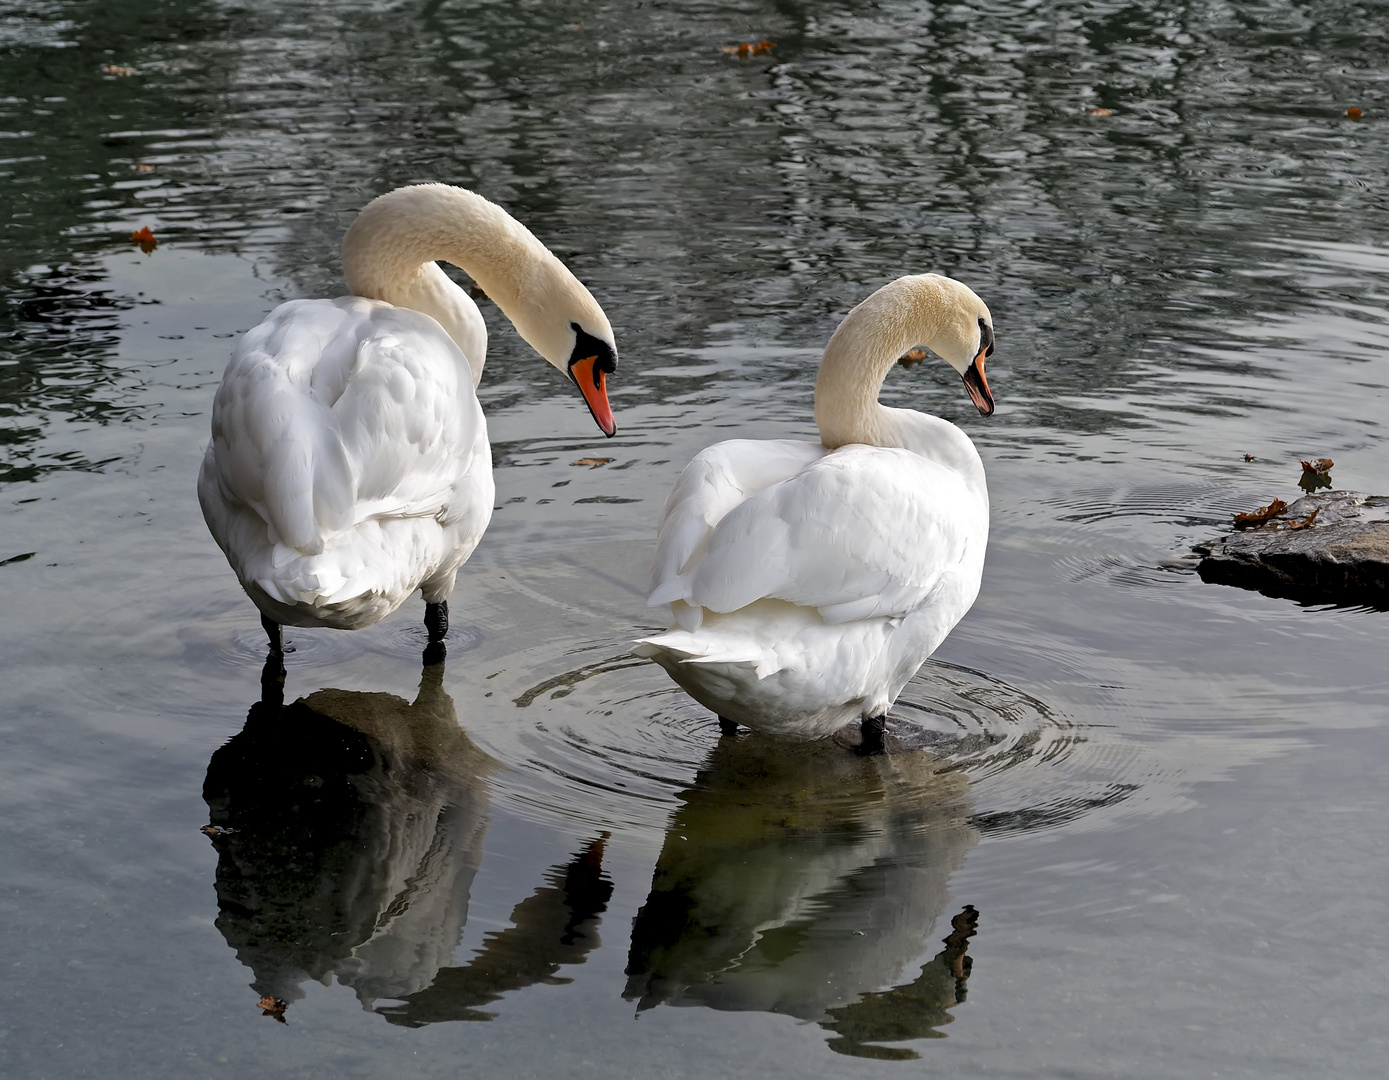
{"x": 1342, "y": 557}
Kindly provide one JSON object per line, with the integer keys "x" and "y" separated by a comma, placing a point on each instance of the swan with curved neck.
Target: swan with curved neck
{"x": 349, "y": 462}
{"x": 807, "y": 582}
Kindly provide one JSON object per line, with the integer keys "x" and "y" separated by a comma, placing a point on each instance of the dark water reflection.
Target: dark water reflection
{"x": 349, "y": 827}
{"x": 799, "y": 881}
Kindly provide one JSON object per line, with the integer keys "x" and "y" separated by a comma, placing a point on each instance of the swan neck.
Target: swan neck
{"x": 861, "y": 352}
{"x": 391, "y": 249}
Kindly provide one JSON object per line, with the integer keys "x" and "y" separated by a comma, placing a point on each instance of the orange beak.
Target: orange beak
{"x": 978, "y": 387}
{"x": 592, "y": 383}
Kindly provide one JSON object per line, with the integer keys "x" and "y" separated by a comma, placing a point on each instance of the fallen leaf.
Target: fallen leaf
{"x": 591, "y": 462}
{"x": 215, "y": 830}
{"x": 144, "y": 168}
{"x": 1248, "y": 457}
{"x": 1259, "y": 516}
{"x": 1101, "y": 111}
{"x": 748, "y": 48}
{"x": 1305, "y": 523}
{"x": 273, "y": 1006}
{"x": 912, "y": 357}
{"x": 116, "y": 69}
{"x": 1353, "y": 113}
{"x": 145, "y": 239}
{"x": 1321, "y": 466}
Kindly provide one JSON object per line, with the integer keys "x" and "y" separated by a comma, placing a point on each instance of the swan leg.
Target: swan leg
{"x": 872, "y": 729}
{"x": 436, "y": 620}
{"x": 275, "y": 632}
{"x": 272, "y": 680}
{"x": 727, "y": 726}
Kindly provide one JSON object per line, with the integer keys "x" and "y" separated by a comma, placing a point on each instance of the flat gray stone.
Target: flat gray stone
{"x": 1343, "y": 558}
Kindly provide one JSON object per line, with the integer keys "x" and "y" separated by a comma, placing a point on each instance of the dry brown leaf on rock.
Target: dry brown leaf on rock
{"x": 592, "y": 462}
{"x": 1305, "y": 523}
{"x": 1261, "y": 515}
{"x": 1321, "y": 466}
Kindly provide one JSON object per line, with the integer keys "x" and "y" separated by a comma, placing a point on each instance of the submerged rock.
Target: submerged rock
{"x": 1341, "y": 557}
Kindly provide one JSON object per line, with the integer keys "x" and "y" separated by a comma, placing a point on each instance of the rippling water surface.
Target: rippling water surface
{"x": 1148, "y": 837}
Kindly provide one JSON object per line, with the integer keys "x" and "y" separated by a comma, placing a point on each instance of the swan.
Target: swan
{"x": 349, "y": 462}
{"x": 807, "y": 582}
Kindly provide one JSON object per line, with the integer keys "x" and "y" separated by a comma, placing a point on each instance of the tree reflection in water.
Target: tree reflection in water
{"x": 348, "y": 828}
{"x": 799, "y": 879}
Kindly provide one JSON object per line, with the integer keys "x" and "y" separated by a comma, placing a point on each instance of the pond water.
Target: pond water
{"x": 1153, "y": 846}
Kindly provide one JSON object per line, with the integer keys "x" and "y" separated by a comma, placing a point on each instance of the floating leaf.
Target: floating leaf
{"x": 215, "y": 830}
{"x": 1261, "y": 515}
{"x": 1305, "y": 523}
{"x": 1321, "y": 466}
{"x": 1353, "y": 113}
{"x": 144, "y": 168}
{"x": 1248, "y": 457}
{"x": 592, "y": 462}
{"x": 116, "y": 69}
{"x": 145, "y": 239}
{"x": 273, "y": 1006}
{"x": 912, "y": 357}
{"x": 749, "y": 48}
{"x": 1099, "y": 110}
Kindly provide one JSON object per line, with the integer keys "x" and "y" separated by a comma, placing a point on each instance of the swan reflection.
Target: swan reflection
{"x": 349, "y": 827}
{"x": 801, "y": 880}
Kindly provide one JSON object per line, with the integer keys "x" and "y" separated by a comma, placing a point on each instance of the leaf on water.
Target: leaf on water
{"x": 1321, "y": 466}
{"x": 1305, "y": 523}
{"x": 1248, "y": 457}
{"x": 749, "y": 48}
{"x": 1353, "y": 113}
{"x": 215, "y": 830}
{"x": 1261, "y": 515}
{"x": 273, "y": 1006}
{"x": 1099, "y": 110}
{"x": 116, "y": 69}
{"x": 145, "y": 239}
{"x": 144, "y": 168}
{"x": 592, "y": 462}
{"x": 912, "y": 357}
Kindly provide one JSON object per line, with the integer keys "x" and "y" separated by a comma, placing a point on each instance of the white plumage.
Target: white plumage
{"x": 809, "y": 581}
{"x": 349, "y": 462}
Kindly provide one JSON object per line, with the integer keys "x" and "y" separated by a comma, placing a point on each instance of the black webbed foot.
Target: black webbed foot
{"x": 727, "y": 726}
{"x": 436, "y": 620}
{"x": 872, "y": 729}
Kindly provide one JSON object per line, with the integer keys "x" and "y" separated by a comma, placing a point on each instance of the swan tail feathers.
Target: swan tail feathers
{"x": 685, "y": 648}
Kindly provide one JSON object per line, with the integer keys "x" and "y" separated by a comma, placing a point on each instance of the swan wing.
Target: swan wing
{"x": 333, "y": 412}
{"x": 719, "y": 478}
{"x": 861, "y": 532}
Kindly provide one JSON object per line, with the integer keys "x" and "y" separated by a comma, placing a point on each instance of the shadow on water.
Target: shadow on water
{"x": 349, "y": 827}
{"x": 798, "y": 879}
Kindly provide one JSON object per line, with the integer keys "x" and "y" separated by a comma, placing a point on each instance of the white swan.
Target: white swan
{"x": 809, "y": 581}
{"x": 349, "y": 463}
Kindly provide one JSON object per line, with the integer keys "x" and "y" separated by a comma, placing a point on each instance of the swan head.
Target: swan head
{"x": 964, "y": 336}
{"x": 559, "y": 318}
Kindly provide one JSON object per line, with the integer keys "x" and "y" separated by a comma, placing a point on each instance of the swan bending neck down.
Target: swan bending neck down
{"x": 349, "y": 462}
{"x": 807, "y": 582}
